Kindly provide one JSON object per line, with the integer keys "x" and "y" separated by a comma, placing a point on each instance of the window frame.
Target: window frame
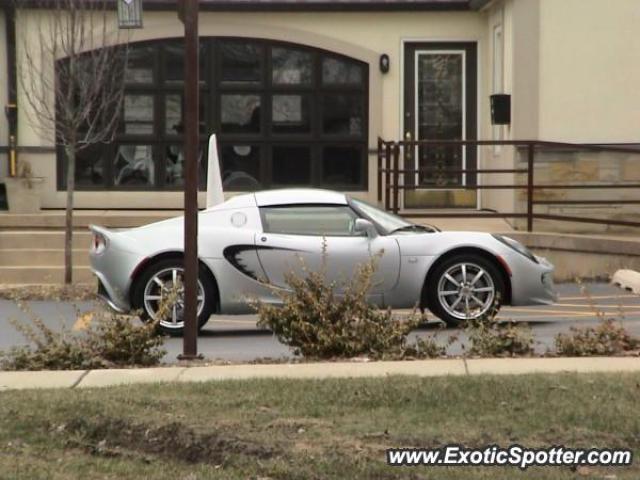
{"x": 346, "y": 207}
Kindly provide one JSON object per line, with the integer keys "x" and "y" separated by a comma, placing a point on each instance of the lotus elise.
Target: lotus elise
{"x": 247, "y": 244}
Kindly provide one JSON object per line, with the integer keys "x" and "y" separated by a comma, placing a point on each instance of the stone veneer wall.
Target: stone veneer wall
{"x": 580, "y": 167}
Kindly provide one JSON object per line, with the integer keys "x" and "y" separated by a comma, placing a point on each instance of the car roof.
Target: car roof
{"x": 293, "y": 196}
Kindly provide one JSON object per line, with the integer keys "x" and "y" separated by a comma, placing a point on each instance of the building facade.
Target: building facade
{"x": 299, "y": 93}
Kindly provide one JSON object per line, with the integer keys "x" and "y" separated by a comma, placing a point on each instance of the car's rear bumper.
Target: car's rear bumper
{"x": 113, "y": 269}
{"x": 107, "y": 293}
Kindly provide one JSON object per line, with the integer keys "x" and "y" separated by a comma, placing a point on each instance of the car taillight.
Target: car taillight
{"x": 99, "y": 243}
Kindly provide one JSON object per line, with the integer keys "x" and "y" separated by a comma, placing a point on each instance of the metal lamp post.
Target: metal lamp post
{"x": 129, "y": 13}
{"x": 188, "y": 13}
{"x": 130, "y": 16}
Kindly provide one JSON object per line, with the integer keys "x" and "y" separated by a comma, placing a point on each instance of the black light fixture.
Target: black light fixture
{"x": 129, "y": 13}
{"x": 385, "y": 63}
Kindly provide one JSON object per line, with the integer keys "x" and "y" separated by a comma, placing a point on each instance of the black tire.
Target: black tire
{"x": 177, "y": 329}
{"x": 436, "y": 303}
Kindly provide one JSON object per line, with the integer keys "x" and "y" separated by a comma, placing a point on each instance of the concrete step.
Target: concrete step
{"x": 41, "y": 275}
{"x": 35, "y": 239}
{"x": 10, "y": 257}
{"x": 83, "y": 218}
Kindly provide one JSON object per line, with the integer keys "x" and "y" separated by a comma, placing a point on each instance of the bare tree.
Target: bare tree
{"x": 72, "y": 76}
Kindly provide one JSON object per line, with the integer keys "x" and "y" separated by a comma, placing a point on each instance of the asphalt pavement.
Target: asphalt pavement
{"x": 236, "y": 338}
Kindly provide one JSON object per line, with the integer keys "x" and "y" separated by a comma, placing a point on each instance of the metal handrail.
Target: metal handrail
{"x": 389, "y": 173}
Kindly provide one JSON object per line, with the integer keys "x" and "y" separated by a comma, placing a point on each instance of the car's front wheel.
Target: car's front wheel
{"x": 464, "y": 287}
{"x": 159, "y": 294}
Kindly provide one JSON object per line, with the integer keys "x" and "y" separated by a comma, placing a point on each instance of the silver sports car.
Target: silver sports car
{"x": 255, "y": 239}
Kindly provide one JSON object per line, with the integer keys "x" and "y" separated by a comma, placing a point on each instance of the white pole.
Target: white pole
{"x": 214, "y": 179}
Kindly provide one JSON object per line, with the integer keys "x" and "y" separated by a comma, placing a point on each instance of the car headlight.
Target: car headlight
{"x": 517, "y": 246}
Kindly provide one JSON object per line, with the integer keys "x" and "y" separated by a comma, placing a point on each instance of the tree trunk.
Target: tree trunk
{"x": 68, "y": 224}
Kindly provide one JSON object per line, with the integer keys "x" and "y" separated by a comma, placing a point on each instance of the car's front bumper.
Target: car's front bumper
{"x": 531, "y": 283}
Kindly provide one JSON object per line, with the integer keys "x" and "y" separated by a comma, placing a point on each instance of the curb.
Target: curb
{"x": 420, "y": 368}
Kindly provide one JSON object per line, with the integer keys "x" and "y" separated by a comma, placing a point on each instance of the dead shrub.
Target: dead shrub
{"x": 492, "y": 338}
{"x": 109, "y": 340}
{"x": 317, "y": 322}
{"x": 607, "y": 338}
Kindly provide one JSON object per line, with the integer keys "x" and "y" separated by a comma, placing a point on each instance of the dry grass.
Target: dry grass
{"x": 61, "y": 293}
{"x": 311, "y": 429}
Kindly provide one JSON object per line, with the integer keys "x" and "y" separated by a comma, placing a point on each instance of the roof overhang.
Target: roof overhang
{"x": 289, "y": 5}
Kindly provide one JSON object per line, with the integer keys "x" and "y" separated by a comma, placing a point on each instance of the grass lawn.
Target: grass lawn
{"x": 304, "y": 429}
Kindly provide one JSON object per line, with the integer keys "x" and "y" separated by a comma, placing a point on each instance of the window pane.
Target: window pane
{"x": 338, "y": 71}
{"x": 440, "y": 111}
{"x": 291, "y": 165}
{"x": 343, "y": 114}
{"x": 174, "y": 61}
{"x": 342, "y": 166}
{"x": 140, "y": 65}
{"x": 317, "y": 220}
{"x": 138, "y": 114}
{"x": 293, "y": 67}
{"x": 240, "y": 113}
{"x": 290, "y": 114}
{"x": 240, "y": 62}
{"x": 134, "y": 165}
{"x": 174, "y": 122}
{"x": 174, "y": 165}
{"x": 240, "y": 167}
{"x": 90, "y": 167}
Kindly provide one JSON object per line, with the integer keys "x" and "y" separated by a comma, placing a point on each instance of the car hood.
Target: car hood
{"x": 433, "y": 244}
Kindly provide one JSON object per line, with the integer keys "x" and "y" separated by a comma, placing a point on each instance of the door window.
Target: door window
{"x": 317, "y": 220}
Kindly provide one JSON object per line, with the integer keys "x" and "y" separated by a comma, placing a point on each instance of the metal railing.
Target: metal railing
{"x": 392, "y": 178}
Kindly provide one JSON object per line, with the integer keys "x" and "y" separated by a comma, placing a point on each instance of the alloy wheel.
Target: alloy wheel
{"x": 466, "y": 291}
{"x": 164, "y": 297}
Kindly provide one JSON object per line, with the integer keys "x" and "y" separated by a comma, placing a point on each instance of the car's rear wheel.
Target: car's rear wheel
{"x": 464, "y": 287}
{"x": 159, "y": 293}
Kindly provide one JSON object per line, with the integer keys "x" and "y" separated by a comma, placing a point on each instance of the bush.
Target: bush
{"x": 318, "y": 323}
{"x": 607, "y": 338}
{"x": 492, "y": 338}
{"x": 110, "y": 340}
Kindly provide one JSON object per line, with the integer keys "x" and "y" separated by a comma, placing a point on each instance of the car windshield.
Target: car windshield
{"x": 388, "y": 222}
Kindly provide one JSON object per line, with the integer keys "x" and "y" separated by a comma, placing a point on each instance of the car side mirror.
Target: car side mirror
{"x": 365, "y": 226}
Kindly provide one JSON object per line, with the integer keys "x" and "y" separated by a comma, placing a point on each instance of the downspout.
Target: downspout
{"x": 11, "y": 109}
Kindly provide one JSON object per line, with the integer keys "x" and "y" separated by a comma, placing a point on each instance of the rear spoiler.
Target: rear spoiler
{"x": 215, "y": 195}
{"x": 101, "y": 230}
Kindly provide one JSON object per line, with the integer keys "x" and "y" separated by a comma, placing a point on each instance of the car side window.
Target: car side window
{"x": 320, "y": 220}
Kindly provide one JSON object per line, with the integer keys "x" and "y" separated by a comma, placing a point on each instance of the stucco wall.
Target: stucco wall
{"x": 501, "y": 14}
{"x": 360, "y": 35}
{"x": 590, "y": 70}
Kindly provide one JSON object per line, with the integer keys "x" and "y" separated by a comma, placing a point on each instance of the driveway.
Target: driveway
{"x": 236, "y": 338}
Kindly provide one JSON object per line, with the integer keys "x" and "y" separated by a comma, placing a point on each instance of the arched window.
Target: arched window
{"x": 285, "y": 115}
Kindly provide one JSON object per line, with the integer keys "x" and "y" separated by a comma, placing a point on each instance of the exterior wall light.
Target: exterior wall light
{"x": 385, "y": 63}
{"x": 129, "y": 13}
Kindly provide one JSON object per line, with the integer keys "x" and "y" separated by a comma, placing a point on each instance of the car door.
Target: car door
{"x": 298, "y": 237}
